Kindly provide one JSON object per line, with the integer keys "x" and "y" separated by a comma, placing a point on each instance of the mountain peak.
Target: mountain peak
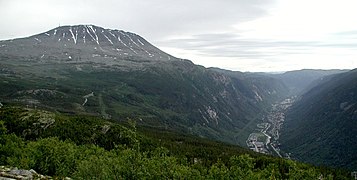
{"x": 82, "y": 34}
{"x": 85, "y": 42}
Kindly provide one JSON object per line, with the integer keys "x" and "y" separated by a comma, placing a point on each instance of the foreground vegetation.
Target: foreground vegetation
{"x": 90, "y": 148}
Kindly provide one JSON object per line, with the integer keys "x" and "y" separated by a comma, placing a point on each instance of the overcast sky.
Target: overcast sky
{"x": 243, "y": 35}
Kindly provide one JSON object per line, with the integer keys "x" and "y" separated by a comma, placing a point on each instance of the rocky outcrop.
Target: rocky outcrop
{"x": 14, "y": 173}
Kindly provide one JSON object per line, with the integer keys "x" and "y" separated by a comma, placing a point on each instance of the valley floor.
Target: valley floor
{"x": 265, "y": 139}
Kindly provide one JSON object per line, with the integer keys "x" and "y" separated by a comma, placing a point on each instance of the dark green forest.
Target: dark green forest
{"x": 86, "y": 147}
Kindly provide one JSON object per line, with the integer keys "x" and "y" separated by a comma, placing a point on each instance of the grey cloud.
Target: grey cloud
{"x": 154, "y": 19}
{"x": 187, "y": 16}
{"x": 233, "y": 45}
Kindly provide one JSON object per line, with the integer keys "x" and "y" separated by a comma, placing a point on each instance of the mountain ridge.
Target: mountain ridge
{"x": 299, "y": 80}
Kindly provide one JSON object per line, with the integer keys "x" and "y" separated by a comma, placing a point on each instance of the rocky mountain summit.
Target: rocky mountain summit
{"x": 83, "y": 44}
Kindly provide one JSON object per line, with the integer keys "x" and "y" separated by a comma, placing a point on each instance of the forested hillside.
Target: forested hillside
{"x": 85, "y": 147}
{"x": 321, "y": 127}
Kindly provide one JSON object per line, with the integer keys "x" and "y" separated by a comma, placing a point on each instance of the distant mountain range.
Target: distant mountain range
{"x": 299, "y": 81}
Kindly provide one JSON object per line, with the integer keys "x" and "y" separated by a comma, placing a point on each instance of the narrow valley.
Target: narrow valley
{"x": 265, "y": 139}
